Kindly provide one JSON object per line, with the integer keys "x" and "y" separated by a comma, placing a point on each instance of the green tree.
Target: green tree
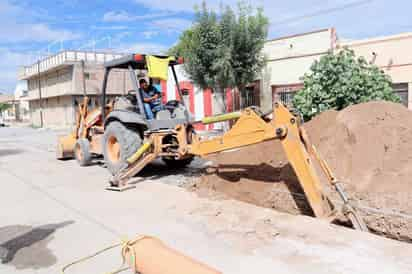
{"x": 4, "y": 107}
{"x": 224, "y": 50}
{"x": 249, "y": 36}
{"x": 181, "y": 47}
{"x": 339, "y": 80}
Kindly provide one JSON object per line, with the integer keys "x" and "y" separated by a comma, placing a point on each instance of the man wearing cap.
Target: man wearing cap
{"x": 151, "y": 98}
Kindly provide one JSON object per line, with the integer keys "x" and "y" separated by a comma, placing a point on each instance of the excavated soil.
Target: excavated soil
{"x": 369, "y": 148}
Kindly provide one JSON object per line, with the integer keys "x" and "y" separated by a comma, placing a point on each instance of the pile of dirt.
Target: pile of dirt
{"x": 366, "y": 145}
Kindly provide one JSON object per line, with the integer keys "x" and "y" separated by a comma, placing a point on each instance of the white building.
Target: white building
{"x": 21, "y": 97}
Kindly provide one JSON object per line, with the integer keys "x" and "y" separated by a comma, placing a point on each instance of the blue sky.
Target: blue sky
{"x": 32, "y": 28}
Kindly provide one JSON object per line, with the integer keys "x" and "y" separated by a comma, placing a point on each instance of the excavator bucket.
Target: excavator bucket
{"x": 65, "y": 147}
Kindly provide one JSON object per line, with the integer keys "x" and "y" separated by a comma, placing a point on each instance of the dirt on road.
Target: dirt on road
{"x": 366, "y": 145}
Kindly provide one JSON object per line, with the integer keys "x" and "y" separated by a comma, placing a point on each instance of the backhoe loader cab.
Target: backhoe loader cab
{"x": 127, "y": 124}
{"x": 173, "y": 112}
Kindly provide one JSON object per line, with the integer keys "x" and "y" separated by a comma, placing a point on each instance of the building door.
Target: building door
{"x": 250, "y": 95}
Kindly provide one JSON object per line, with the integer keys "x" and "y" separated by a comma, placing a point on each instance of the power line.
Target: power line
{"x": 322, "y": 12}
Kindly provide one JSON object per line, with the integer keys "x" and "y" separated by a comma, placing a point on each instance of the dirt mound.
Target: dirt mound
{"x": 366, "y": 146}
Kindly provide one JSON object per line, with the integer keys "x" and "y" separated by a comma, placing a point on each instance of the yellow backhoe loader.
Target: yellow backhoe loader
{"x": 129, "y": 140}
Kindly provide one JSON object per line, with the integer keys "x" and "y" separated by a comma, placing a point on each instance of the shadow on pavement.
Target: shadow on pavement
{"x": 26, "y": 247}
{"x": 13, "y": 151}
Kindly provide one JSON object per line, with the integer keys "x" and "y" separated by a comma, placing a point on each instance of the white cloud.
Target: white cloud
{"x": 16, "y": 26}
{"x": 34, "y": 32}
{"x": 123, "y": 16}
{"x": 150, "y": 34}
{"x": 373, "y": 17}
{"x": 144, "y": 48}
{"x": 187, "y": 5}
{"x": 109, "y": 27}
{"x": 170, "y": 24}
{"x": 10, "y": 62}
{"x": 117, "y": 16}
{"x": 19, "y": 26}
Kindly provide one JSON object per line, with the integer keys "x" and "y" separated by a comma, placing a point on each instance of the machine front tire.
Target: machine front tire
{"x": 119, "y": 143}
{"x": 82, "y": 152}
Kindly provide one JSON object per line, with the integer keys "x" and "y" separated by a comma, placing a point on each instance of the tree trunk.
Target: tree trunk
{"x": 221, "y": 108}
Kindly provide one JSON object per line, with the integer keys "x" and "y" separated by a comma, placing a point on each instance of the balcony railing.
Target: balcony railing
{"x": 64, "y": 57}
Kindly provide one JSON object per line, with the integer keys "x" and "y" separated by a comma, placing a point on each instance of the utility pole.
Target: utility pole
{"x": 83, "y": 77}
{"x": 40, "y": 97}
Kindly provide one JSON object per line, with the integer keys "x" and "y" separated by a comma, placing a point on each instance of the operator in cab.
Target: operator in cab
{"x": 152, "y": 98}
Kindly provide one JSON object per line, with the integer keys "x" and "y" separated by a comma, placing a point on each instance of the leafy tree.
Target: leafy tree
{"x": 249, "y": 36}
{"x": 4, "y": 107}
{"x": 339, "y": 80}
{"x": 181, "y": 47}
{"x": 224, "y": 50}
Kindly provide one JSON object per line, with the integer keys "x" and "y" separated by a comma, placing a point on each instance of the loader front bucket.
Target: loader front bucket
{"x": 65, "y": 147}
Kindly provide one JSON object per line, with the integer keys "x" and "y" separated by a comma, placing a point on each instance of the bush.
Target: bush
{"x": 339, "y": 80}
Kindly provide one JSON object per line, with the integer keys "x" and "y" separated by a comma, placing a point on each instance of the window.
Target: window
{"x": 248, "y": 97}
{"x": 401, "y": 89}
{"x": 285, "y": 93}
{"x": 287, "y": 97}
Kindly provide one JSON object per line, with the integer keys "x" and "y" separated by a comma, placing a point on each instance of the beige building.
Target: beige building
{"x": 289, "y": 58}
{"x": 57, "y": 84}
{"x": 393, "y": 55}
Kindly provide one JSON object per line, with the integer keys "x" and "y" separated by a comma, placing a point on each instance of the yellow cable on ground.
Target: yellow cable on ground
{"x": 126, "y": 244}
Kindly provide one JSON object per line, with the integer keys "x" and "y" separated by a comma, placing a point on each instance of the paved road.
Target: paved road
{"x": 53, "y": 212}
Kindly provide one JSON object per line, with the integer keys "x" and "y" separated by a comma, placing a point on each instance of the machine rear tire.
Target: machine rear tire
{"x": 119, "y": 143}
{"x": 82, "y": 152}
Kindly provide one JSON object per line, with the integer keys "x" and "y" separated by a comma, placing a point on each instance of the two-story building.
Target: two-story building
{"x": 56, "y": 85}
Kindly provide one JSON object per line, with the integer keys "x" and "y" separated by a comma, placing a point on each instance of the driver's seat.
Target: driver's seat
{"x": 163, "y": 115}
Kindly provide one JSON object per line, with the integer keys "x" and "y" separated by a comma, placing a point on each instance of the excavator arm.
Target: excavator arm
{"x": 251, "y": 127}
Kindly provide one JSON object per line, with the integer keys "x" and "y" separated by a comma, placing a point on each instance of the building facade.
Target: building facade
{"x": 289, "y": 58}
{"x": 392, "y": 55}
{"x": 56, "y": 85}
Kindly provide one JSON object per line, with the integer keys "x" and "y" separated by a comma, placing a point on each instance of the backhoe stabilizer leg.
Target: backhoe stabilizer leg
{"x": 136, "y": 163}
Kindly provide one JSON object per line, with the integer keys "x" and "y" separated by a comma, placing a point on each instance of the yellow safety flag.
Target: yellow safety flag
{"x": 158, "y": 67}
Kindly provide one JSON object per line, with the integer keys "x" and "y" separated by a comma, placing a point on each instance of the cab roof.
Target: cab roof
{"x": 137, "y": 61}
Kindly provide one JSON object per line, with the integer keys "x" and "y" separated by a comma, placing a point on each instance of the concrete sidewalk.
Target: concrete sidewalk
{"x": 55, "y": 212}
